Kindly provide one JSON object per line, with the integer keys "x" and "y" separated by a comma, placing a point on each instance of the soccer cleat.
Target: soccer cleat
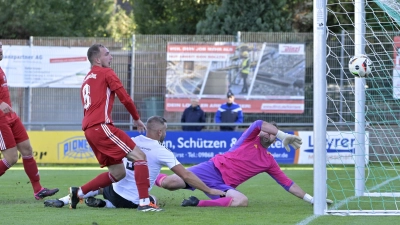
{"x": 45, "y": 192}
{"x": 153, "y": 199}
{"x": 73, "y": 197}
{"x": 191, "y": 201}
{"x": 149, "y": 208}
{"x": 53, "y": 203}
{"x": 95, "y": 202}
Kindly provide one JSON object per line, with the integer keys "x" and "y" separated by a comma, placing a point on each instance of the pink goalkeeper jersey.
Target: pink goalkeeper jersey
{"x": 248, "y": 158}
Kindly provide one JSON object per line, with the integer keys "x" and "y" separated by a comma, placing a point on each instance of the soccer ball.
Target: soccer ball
{"x": 360, "y": 66}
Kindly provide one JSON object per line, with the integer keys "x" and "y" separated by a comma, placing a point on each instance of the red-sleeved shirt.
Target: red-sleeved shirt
{"x": 98, "y": 93}
{"x": 5, "y": 97}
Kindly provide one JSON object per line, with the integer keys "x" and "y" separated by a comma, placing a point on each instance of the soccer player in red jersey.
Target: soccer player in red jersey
{"x": 109, "y": 144}
{"x": 14, "y": 138}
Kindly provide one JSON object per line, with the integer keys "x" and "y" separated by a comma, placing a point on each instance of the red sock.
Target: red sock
{"x": 101, "y": 181}
{"x": 4, "y": 166}
{"x": 32, "y": 171}
{"x": 219, "y": 202}
{"x": 142, "y": 178}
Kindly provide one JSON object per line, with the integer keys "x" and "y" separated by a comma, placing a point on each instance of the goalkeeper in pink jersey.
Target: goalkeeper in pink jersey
{"x": 247, "y": 158}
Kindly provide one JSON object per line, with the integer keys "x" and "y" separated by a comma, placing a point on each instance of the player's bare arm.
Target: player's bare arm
{"x": 194, "y": 181}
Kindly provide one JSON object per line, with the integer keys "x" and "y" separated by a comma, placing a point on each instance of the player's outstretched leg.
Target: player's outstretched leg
{"x": 95, "y": 202}
{"x": 191, "y": 201}
{"x": 45, "y": 192}
{"x": 159, "y": 179}
{"x": 219, "y": 202}
{"x": 53, "y": 203}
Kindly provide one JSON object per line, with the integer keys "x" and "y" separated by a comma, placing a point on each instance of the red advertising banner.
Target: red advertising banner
{"x": 263, "y": 77}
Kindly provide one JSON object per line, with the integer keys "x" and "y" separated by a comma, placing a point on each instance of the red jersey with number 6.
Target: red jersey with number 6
{"x": 5, "y": 97}
{"x": 97, "y": 95}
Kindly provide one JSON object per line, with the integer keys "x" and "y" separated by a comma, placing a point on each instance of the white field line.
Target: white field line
{"x": 341, "y": 203}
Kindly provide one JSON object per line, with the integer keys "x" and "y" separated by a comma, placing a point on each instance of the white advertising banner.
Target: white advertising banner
{"x": 340, "y": 147}
{"x": 44, "y": 66}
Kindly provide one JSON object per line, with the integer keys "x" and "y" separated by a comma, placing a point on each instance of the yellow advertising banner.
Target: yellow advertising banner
{"x": 61, "y": 147}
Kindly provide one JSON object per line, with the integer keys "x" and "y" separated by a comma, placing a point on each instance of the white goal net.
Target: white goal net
{"x": 362, "y": 114}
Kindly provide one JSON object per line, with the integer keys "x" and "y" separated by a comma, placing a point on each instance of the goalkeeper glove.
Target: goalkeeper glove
{"x": 308, "y": 198}
{"x": 289, "y": 139}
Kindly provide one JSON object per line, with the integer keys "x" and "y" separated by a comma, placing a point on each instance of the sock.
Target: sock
{"x": 32, "y": 171}
{"x": 91, "y": 194}
{"x": 65, "y": 200}
{"x": 159, "y": 179}
{"x": 80, "y": 193}
{"x": 109, "y": 204}
{"x": 101, "y": 181}
{"x": 220, "y": 202}
{"x": 144, "y": 201}
{"x": 142, "y": 178}
{"x": 4, "y": 166}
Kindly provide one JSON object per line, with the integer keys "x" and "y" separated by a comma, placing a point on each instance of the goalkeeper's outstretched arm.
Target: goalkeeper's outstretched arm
{"x": 298, "y": 192}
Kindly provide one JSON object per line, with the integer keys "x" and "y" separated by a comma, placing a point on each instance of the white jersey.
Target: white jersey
{"x": 157, "y": 156}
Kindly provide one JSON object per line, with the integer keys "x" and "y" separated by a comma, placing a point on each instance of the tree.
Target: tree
{"x": 121, "y": 25}
{"x": 89, "y": 18}
{"x": 250, "y": 16}
{"x": 302, "y": 15}
{"x": 169, "y": 16}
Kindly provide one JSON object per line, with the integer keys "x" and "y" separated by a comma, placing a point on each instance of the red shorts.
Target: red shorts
{"x": 12, "y": 134}
{"x": 109, "y": 144}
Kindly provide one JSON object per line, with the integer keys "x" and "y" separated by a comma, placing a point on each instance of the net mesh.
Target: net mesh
{"x": 382, "y": 108}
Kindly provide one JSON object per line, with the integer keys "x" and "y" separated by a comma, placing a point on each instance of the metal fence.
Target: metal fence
{"x": 141, "y": 64}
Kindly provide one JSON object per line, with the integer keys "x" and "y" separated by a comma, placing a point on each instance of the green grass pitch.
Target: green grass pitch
{"x": 268, "y": 203}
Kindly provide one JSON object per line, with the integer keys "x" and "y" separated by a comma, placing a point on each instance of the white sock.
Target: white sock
{"x": 108, "y": 204}
{"x": 65, "y": 200}
{"x": 308, "y": 198}
{"x": 80, "y": 193}
{"x": 144, "y": 201}
{"x": 91, "y": 194}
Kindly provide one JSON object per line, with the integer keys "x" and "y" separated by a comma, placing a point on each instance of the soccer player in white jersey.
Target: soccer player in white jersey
{"x": 123, "y": 194}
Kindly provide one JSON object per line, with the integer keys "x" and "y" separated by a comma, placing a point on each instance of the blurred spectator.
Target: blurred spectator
{"x": 193, "y": 114}
{"x": 229, "y": 112}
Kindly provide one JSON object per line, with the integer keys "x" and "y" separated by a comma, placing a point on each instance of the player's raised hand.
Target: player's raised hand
{"x": 140, "y": 126}
{"x": 289, "y": 139}
{"x": 5, "y": 108}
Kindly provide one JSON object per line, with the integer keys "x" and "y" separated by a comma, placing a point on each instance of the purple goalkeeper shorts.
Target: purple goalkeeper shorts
{"x": 211, "y": 176}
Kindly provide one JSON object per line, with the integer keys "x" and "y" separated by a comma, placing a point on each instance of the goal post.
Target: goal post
{"x": 360, "y": 116}
{"x": 319, "y": 112}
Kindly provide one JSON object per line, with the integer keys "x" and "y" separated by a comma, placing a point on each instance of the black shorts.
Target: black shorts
{"x": 116, "y": 199}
